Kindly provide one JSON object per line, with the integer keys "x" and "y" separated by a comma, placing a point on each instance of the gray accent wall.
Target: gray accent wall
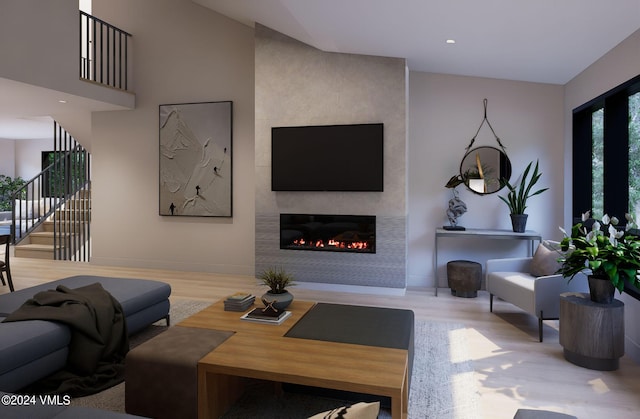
{"x": 297, "y": 84}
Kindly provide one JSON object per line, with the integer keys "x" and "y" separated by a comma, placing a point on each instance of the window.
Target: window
{"x": 56, "y": 164}
{"x": 597, "y": 161}
{"x": 606, "y": 155}
{"x": 634, "y": 155}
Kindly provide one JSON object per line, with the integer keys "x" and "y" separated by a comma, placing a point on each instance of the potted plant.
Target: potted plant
{"x": 609, "y": 254}
{"x": 277, "y": 279}
{"x": 518, "y": 195}
{"x": 7, "y": 187}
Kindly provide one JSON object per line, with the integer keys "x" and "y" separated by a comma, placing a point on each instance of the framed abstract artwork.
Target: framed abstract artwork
{"x": 196, "y": 159}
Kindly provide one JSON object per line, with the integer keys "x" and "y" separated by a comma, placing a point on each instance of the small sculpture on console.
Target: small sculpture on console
{"x": 457, "y": 207}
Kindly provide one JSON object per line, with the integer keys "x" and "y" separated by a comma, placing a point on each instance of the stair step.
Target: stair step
{"x": 73, "y": 211}
{"x": 73, "y": 215}
{"x": 69, "y": 222}
{"x": 42, "y": 237}
{"x": 81, "y": 204}
{"x": 41, "y": 233}
{"x": 34, "y": 251}
{"x": 46, "y": 237}
{"x": 48, "y": 226}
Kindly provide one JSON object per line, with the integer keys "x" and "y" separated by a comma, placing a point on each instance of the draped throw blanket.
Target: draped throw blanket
{"x": 99, "y": 340}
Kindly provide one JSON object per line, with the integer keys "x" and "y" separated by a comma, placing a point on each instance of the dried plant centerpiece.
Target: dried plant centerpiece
{"x": 278, "y": 280}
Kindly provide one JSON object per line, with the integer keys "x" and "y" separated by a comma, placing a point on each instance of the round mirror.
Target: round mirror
{"x": 483, "y": 167}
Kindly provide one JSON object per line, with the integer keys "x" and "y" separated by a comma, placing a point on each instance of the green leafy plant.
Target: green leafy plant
{"x": 7, "y": 187}
{"x": 605, "y": 250}
{"x": 277, "y": 279}
{"x": 519, "y": 193}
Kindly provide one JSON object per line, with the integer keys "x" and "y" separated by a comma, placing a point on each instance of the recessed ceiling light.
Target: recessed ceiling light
{"x": 451, "y": 41}
{"x": 62, "y": 101}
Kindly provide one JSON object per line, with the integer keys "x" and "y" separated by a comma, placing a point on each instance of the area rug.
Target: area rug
{"x": 442, "y": 385}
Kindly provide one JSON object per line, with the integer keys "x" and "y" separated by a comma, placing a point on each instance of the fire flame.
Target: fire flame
{"x": 359, "y": 245}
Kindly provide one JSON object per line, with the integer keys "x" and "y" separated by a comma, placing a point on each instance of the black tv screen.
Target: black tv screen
{"x": 327, "y": 158}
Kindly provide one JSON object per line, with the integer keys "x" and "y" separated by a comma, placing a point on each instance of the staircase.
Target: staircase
{"x": 52, "y": 211}
{"x": 64, "y": 235}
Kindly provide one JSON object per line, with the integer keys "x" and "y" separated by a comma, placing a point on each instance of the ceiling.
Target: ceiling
{"x": 26, "y": 111}
{"x": 22, "y": 115}
{"x": 546, "y": 41}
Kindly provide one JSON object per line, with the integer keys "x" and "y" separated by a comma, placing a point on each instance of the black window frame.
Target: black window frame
{"x": 616, "y": 154}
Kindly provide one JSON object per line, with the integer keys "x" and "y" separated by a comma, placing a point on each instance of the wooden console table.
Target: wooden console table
{"x": 591, "y": 334}
{"x": 530, "y": 235}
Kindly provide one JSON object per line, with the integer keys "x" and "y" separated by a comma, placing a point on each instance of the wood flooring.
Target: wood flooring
{"x": 512, "y": 369}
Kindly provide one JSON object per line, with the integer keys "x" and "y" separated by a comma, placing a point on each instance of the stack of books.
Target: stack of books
{"x": 240, "y": 301}
{"x": 266, "y": 315}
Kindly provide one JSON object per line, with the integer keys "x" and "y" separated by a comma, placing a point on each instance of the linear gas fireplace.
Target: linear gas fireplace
{"x": 334, "y": 233}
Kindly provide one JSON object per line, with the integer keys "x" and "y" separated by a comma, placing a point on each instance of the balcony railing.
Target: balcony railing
{"x": 104, "y": 52}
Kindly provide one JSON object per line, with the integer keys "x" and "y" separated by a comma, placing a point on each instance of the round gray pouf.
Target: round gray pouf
{"x": 464, "y": 277}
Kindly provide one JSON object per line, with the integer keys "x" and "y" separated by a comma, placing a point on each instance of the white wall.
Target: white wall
{"x": 29, "y": 156}
{"x": 7, "y": 158}
{"x": 54, "y": 24}
{"x": 445, "y": 112}
{"x": 42, "y": 28}
{"x": 617, "y": 66}
{"x": 184, "y": 53}
{"x": 22, "y": 157}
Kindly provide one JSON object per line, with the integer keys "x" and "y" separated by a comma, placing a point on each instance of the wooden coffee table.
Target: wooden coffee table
{"x": 261, "y": 351}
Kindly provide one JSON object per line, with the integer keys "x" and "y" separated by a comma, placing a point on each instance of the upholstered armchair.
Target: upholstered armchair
{"x": 531, "y": 284}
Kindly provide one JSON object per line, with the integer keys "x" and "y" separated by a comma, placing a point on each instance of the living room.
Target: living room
{"x": 176, "y": 66}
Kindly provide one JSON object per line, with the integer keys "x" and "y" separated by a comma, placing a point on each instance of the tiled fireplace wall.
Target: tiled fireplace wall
{"x": 296, "y": 84}
{"x": 385, "y": 268}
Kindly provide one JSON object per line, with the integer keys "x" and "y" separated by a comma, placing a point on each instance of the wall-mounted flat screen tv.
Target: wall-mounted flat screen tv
{"x": 327, "y": 158}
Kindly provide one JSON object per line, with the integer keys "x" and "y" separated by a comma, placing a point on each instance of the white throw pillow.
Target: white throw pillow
{"x": 357, "y": 411}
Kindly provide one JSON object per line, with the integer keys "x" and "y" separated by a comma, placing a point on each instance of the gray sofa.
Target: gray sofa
{"x": 31, "y": 350}
{"x": 5, "y": 222}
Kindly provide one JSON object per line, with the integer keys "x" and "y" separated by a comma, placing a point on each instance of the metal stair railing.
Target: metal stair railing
{"x": 29, "y": 208}
{"x": 60, "y": 193}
